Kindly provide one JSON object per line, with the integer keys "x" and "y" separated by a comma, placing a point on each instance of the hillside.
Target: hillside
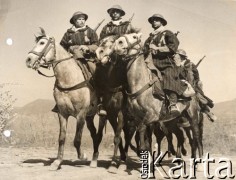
{"x": 225, "y": 110}
{"x": 39, "y": 106}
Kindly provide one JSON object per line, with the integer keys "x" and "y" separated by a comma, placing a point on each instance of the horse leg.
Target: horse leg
{"x": 171, "y": 149}
{"x": 159, "y": 134}
{"x": 197, "y": 139}
{"x": 129, "y": 130}
{"x": 150, "y": 128}
{"x": 180, "y": 141}
{"x": 142, "y": 133}
{"x": 184, "y": 134}
{"x": 93, "y": 133}
{"x": 78, "y": 134}
{"x": 117, "y": 127}
{"x": 63, "y": 119}
{"x": 137, "y": 141}
{"x": 99, "y": 135}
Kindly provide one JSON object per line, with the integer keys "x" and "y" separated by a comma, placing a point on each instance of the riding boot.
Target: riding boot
{"x": 55, "y": 109}
{"x": 209, "y": 114}
{"x": 101, "y": 109}
{"x": 173, "y": 108}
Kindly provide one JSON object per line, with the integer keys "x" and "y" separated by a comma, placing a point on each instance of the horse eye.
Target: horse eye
{"x": 135, "y": 37}
{"x": 120, "y": 42}
{"x": 101, "y": 51}
{"x": 41, "y": 43}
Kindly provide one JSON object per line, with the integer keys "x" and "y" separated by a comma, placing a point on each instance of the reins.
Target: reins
{"x": 131, "y": 59}
{"x": 42, "y": 55}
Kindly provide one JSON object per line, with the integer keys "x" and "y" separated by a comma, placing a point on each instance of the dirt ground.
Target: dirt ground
{"x": 34, "y": 163}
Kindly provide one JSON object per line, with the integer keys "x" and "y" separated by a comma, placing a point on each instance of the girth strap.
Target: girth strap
{"x": 144, "y": 88}
{"x": 77, "y": 86}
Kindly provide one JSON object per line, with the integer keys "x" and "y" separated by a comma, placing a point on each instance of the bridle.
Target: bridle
{"x": 129, "y": 59}
{"x": 42, "y": 55}
{"x": 132, "y": 46}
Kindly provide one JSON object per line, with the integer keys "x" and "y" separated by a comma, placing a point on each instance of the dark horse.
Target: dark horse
{"x": 111, "y": 80}
{"x": 73, "y": 94}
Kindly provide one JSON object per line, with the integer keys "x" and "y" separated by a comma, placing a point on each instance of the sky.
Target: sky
{"x": 207, "y": 27}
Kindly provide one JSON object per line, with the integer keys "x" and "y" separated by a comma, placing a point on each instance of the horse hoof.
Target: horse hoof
{"x": 55, "y": 165}
{"x": 113, "y": 168}
{"x": 122, "y": 166}
{"x": 83, "y": 157}
{"x": 93, "y": 164}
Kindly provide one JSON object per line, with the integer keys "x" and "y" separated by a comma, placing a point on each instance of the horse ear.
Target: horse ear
{"x": 42, "y": 31}
{"x": 137, "y": 30}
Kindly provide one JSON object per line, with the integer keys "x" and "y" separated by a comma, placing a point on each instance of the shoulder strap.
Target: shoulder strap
{"x": 163, "y": 41}
{"x": 86, "y": 39}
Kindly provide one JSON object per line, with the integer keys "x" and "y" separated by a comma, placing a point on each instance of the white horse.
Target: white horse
{"x": 73, "y": 94}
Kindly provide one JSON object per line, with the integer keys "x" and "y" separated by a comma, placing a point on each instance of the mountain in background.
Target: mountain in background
{"x": 224, "y": 110}
{"x": 39, "y": 106}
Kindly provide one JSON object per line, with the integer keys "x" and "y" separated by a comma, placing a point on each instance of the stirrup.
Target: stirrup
{"x": 183, "y": 122}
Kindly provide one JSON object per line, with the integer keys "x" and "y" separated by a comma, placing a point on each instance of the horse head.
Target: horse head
{"x": 105, "y": 48}
{"x": 128, "y": 44}
{"x": 42, "y": 53}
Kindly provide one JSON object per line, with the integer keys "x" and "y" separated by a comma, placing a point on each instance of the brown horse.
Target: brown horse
{"x": 111, "y": 78}
{"x": 144, "y": 106}
{"x": 73, "y": 94}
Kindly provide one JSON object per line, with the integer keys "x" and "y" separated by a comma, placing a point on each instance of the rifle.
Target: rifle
{"x": 99, "y": 24}
{"x": 131, "y": 18}
{"x": 200, "y": 61}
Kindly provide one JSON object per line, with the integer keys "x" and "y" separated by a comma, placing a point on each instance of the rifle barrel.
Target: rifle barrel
{"x": 200, "y": 61}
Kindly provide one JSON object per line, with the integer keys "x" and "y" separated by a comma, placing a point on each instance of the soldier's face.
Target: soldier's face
{"x": 115, "y": 15}
{"x": 156, "y": 23}
{"x": 80, "y": 22}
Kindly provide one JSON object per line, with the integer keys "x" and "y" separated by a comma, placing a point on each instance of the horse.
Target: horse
{"x": 144, "y": 106}
{"x": 74, "y": 95}
{"x": 112, "y": 81}
{"x": 105, "y": 54}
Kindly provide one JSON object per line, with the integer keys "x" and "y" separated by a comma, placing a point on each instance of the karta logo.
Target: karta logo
{"x": 153, "y": 164}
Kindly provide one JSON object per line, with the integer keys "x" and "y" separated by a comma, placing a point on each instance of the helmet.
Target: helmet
{"x": 181, "y": 52}
{"x": 76, "y": 15}
{"x": 117, "y": 7}
{"x": 157, "y": 16}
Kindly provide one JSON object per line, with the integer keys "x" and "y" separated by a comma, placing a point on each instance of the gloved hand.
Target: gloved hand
{"x": 84, "y": 49}
{"x": 154, "y": 49}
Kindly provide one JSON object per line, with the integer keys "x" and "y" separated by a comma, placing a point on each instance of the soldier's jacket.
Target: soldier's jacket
{"x": 112, "y": 29}
{"x": 72, "y": 37}
{"x": 165, "y": 38}
{"x": 163, "y": 60}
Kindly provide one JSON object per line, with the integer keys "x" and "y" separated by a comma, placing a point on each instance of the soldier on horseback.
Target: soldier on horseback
{"x": 81, "y": 41}
{"x": 116, "y": 27}
{"x": 162, "y": 44}
{"x": 191, "y": 74}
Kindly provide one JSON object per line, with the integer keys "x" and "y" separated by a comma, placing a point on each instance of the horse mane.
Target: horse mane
{"x": 110, "y": 37}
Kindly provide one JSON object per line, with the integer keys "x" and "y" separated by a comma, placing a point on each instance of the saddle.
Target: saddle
{"x": 157, "y": 86}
